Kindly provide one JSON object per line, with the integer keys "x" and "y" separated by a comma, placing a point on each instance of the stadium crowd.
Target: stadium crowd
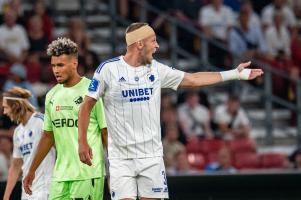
{"x": 197, "y": 137}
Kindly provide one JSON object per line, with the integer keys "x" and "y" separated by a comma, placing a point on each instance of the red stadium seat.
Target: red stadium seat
{"x": 196, "y": 160}
{"x": 193, "y": 147}
{"x": 246, "y": 160}
{"x": 211, "y": 146}
{"x": 211, "y": 157}
{"x": 273, "y": 160}
{"x": 242, "y": 145}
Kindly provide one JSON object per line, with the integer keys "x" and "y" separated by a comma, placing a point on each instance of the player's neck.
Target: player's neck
{"x": 26, "y": 118}
{"x": 73, "y": 81}
{"x": 132, "y": 59}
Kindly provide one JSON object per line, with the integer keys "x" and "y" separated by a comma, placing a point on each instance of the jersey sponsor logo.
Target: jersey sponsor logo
{"x": 30, "y": 134}
{"x": 61, "y": 123}
{"x": 78, "y": 100}
{"x": 157, "y": 189}
{"x": 138, "y": 94}
{"x": 59, "y": 108}
{"x": 26, "y": 148}
{"x": 93, "y": 85}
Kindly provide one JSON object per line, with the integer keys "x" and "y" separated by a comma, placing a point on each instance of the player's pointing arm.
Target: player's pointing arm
{"x": 208, "y": 78}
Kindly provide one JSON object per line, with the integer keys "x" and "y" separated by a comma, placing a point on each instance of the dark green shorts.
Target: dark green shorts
{"x": 90, "y": 189}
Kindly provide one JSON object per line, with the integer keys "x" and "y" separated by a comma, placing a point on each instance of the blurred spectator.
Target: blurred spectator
{"x": 3, "y": 6}
{"x": 246, "y": 40}
{"x": 158, "y": 22}
{"x": 47, "y": 23}
{"x": 254, "y": 20}
{"x": 295, "y": 158}
{"x": 194, "y": 118}
{"x": 224, "y": 162}
{"x": 216, "y": 20}
{"x": 18, "y": 77}
{"x": 295, "y": 5}
{"x": 187, "y": 13}
{"x": 277, "y": 37}
{"x": 88, "y": 60}
{"x": 13, "y": 41}
{"x": 6, "y": 147}
{"x": 129, "y": 9}
{"x": 232, "y": 120}
{"x": 182, "y": 165}
{"x": 167, "y": 101}
{"x": 16, "y": 5}
{"x": 281, "y": 86}
{"x": 169, "y": 116}
{"x": 37, "y": 39}
{"x": 268, "y": 13}
{"x": 171, "y": 146}
{"x": 296, "y": 50}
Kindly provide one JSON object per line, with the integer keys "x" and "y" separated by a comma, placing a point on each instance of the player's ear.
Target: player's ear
{"x": 139, "y": 44}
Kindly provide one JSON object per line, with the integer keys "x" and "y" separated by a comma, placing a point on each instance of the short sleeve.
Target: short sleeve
{"x": 97, "y": 85}
{"x": 16, "y": 150}
{"x": 170, "y": 77}
{"x": 47, "y": 126}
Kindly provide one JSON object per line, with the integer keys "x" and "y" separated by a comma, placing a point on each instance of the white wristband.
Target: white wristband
{"x": 230, "y": 75}
{"x": 234, "y": 74}
{"x": 244, "y": 74}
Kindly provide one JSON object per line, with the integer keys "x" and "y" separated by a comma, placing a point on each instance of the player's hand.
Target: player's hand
{"x": 248, "y": 74}
{"x": 85, "y": 153}
{"x": 27, "y": 182}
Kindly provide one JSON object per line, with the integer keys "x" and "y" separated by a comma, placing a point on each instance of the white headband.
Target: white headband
{"x": 14, "y": 98}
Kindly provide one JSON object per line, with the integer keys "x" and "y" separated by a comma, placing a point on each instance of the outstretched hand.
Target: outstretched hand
{"x": 248, "y": 74}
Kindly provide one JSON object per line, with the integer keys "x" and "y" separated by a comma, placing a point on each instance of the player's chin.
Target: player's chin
{"x": 60, "y": 81}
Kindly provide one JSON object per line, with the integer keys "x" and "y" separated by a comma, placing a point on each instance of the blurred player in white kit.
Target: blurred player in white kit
{"x": 26, "y": 138}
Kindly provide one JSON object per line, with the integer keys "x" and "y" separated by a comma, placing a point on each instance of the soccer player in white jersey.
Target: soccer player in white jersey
{"x": 26, "y": 138}
{"x": 131, "y": 87}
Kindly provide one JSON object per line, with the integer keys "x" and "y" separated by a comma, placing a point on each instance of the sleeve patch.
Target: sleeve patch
{"x": 93, "y": 85}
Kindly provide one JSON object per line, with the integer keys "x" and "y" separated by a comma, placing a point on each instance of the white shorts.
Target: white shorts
{"x": 36, "y": 195}
{"x": 143, "y": 177}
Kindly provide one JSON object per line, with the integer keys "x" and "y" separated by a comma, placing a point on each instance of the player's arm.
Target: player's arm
{"x": 13, "y": 174}
{"x": 104, "y": 137}
{"x": 209, "y": 78}
{"x": 84, "y": 150}
{"x": 44, "y": 146}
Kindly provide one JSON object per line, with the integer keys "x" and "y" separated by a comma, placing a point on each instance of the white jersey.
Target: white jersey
{"x": 132, "y": 98}
{"x": 26, "y": 140}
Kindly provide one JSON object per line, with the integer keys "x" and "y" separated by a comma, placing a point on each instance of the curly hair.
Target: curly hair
{"x": 17, "y": 100}
{"x": 62, "y": 46}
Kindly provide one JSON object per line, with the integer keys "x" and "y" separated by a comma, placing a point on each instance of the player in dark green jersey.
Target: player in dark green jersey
{"x": 71, "y": 178}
